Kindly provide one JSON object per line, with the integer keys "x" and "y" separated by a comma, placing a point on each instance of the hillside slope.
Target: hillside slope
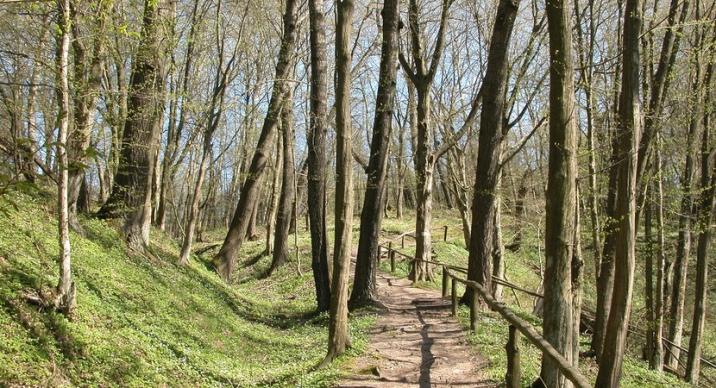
{"x": 143, "y": 320}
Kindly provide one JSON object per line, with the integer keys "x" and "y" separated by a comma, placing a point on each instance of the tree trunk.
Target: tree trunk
{"x": 275, "y": 193}
{"x": 683, "y": 242}
{"x": 88, "y": 76}
{"x": 225, "y": 260}
{"x": 558, "y": 319}
{"x": 285, "y": 205}
{"x": 131, "y": 192}
{"x": 610, "y": 363}
{"x": 338, "y": 336}
{"x": 490, "y": 148}
{"x": 364, "y": 286}
{"x": 65, "y": 299}
{"x": 317, "y": 155}
{"x": 707, "y": 202}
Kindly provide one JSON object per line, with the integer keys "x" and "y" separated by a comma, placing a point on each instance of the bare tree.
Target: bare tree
{"x": 561, "y": 195}
{"x": 375, "y": 194}
{"x": 65, "y": 299}
{"x": 316, "y": 186}
{"x": 131, "y": 192}
{"x": 610, "y": 363}
{"x": 338, "y": 336}
{"x": 225, "y": 260}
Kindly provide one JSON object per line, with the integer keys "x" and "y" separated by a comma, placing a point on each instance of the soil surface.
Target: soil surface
{"x": 415, "y": 342}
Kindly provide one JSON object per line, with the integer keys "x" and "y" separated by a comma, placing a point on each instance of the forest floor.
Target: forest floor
{"x": 143, "y": 320}
{"x": 415, "y": 341}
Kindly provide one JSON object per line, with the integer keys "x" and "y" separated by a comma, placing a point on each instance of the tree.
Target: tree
{"x": 131, "y": 192}
{"x": 88, "y": 67}
{"x": 706, "y": 205}
{"x": 558, "y": 327}
{"x": 316, "y": 139}
{"x": 338, "y": 336}
{"x": 65, "y": 299}
{"x": 375, "y": 194}
{"x": 225, "y": 260}
{"x": 422, "y": 75}
{"x": 610, "y": 363}
{"x": 487, "y": 171}
{"x": 286, "y": 200}
{"x": 222, "y": 78}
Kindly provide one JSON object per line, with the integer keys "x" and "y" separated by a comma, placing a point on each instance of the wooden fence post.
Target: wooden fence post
{"x": 473, "y": 311}
{"x": 445, "y": 233}
{"x": 513, "y": 376}
{"x": 446, "y": 279}
{"x": 392, "y": 261}
{"x": 402, "y": 241}
{"x": 454, "y": 298}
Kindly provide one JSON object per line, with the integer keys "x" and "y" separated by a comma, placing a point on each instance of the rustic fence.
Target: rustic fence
{"x": 517, "y": 325}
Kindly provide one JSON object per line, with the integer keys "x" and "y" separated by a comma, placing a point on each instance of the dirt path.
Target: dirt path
{"x": 416, "y": 342}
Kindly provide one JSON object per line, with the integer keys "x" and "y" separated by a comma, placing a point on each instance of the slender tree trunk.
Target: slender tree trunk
{"x": 558, "y": 319}
{"x": 338, "y": 335}
{"x": 605, "y": 281}
{"x": 286, "y": 202}
{"x": 65, "y": 301}
{"x": 707, "y": 201}
{"x": 610, "y": 363}
{"x": 131, "y": 192}
{"x": 88, "y": 73}
{"x": 225, "y": 260}
{"x": 364, "y": 285}
{"x": 683, "y": 243}
{"x": 316, "y": 138}
{"x": 275, "y": 193}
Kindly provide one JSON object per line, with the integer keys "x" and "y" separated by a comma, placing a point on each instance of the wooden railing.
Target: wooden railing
{"x": 449, "y": 289}
{"x": 516, "y": 324}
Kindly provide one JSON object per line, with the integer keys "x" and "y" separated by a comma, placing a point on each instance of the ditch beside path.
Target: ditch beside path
{"x": 415, "y": 343}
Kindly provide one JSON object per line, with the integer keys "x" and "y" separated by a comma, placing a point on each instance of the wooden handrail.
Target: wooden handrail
{"x": 569, "y": 371}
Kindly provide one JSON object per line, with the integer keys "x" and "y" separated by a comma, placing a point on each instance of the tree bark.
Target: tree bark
{"x": 316, "y": 138}
{"x": 338, "y": 335}
{"x": 364, "y": 285}
{"x": 65, "y": 298}
{"x": 558, "y": 320}
{"x": 490, "y": 148}
{"x": 610, "y": 363}
{"x": 286, "y": 201}
{"x": 131, "y": 192}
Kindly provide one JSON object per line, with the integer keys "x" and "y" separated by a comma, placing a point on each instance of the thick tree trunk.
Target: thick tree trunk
{"x": 375, "y": 195}
{"x": 338, "y": 335}
{"x": 558, "y": 319}
{"x": 317, "y": 155}
{"x": 286, "y": 201}
{"x": 225, "y": 260}
{"x": 131, "y": 192}
{"x": 610, "y": 363}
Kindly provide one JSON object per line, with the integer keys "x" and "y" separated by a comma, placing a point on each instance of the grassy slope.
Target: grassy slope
{"x": 523, "y": 269}
{"x": 146, "y": 321}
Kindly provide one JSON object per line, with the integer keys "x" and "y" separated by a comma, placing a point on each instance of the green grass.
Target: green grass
{"x": 143, "y": 320}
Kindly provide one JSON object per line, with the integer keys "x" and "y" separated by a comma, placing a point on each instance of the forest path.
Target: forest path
{"x": 415, "y": 342}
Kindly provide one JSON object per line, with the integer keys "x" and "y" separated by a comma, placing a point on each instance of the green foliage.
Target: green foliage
{"x": 145, "y": 321}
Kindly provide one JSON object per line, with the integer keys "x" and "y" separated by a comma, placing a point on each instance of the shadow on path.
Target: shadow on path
{"x": 415, "y": 343}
